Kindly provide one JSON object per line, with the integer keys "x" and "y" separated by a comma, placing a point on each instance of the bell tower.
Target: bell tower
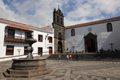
{"x": 59, "y": 33}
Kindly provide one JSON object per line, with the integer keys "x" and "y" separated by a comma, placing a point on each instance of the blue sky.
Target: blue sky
{"x": 39, "y": 13}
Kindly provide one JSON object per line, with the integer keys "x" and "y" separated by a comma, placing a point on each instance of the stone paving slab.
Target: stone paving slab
{"x": 74, "y": 70}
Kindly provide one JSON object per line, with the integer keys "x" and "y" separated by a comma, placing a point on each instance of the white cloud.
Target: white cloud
{"x": 38, "y": 12}
{"x": 96, "y": 9}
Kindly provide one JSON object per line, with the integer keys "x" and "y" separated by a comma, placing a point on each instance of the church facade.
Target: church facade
{"x": 93, "y": 36}
{"x": 86, "y": 37}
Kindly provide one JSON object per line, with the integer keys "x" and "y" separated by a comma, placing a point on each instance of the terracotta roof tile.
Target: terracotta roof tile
{"x": 18, "y": 27}
{"x": 94, "y": 22}
{"x": 13, "y": 23}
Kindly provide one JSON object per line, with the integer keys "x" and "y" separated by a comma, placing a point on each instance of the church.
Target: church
{"x": 90, "y": 37}
{"x": 96, "y": 36}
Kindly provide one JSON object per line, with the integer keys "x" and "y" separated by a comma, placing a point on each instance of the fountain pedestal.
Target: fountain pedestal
{"x": 24, "y": 68}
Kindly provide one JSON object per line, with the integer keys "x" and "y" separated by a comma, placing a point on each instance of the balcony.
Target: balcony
{"x": 15, "y": 39}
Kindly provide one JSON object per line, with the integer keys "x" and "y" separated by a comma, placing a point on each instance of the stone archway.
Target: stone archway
{"x": 90, "y": 42}
{"x": 60, "y": 50}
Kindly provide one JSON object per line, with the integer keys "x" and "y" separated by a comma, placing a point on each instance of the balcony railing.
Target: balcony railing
{"x": 17, "y": 39}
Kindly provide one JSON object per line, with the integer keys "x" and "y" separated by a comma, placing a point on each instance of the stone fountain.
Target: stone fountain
{"x": 27, "y": 67}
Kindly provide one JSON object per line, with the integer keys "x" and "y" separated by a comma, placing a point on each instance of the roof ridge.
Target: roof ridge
{"x": 93, "y": 22}
{"x": 20, "y": 24}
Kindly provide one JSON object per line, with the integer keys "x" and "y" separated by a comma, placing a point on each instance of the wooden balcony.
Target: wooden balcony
{"x": 15, "y": 39}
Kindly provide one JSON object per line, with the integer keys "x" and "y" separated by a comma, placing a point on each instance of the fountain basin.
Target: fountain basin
{"x": 24, "y": 68}
{"x": 28, "y": 64}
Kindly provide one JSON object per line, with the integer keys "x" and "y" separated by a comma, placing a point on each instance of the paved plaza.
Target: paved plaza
{"x": 74, "y": 70}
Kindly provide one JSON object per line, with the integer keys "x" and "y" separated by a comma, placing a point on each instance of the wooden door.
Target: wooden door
{"x": 50, "y": 50}
{"x": 40, "y": 50}
{"x": 25, "y": 50}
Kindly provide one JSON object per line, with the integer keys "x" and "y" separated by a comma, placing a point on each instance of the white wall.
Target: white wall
{"x": 3, "y": 44}
{"x": 45, "y": 43}
{"x": 104, "y": 38}
{"x": 2, "y": 34}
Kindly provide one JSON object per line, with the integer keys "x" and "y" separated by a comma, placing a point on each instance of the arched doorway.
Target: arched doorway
{"x": 90, "y": 42}
{"x": 60, "y": 47}
{"x": 91, "y": 45}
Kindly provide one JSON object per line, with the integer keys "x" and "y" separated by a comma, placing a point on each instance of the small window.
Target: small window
{"x": 9, "y": 50}
{"x": 61, "y": 21}
{"x": 50, "y": 39}
{"x": 73, "y": 32}
{"x": 40, "y": 38}
{"x": 25, "y": 50}
{"x": 57, "y": 19}
{"x": 11, "y": 33}
{"x": 27, "y": 35}
{"x": 109, "y": 27}
{"x": 60, "y": 36}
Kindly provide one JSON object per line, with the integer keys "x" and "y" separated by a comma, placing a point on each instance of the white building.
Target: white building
{"x": 13, "y": 44}
{"x": 93, "y": 36}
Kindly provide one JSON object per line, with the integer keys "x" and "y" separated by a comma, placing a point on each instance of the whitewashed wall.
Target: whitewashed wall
{"x": 104, "y": 38}
{"x": 17, "y": 46}
{"x": 2, "y": 34}
{"x": 45, "y": 43}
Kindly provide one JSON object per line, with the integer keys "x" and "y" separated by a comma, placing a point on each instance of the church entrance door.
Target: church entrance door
{"x": 60, "y": 47}
{"x": 91, "y": 45}
{"x": 90, "y": 42}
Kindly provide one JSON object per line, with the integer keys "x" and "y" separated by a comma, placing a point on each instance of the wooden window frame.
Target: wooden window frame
{"x": 40, "y": 38}
{"x": 11, "y": 32}
{"x": 50, "y": 39}
{"x": 9, "y": 50}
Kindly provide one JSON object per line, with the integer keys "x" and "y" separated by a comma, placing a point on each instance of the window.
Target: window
{"x": 73, "y": 32}
{"x": 50, "y": 39}
{"x": 25, "y": 50}
{"x": 109, "y": 27}
{"x": 58, "y": 19}
{"x": 11, "y": 33}
{"x": 9, "y": 50}
{"x": 60, "y": 36}
{"x": 40, "y": 38}
{"x": 27, "y": 35}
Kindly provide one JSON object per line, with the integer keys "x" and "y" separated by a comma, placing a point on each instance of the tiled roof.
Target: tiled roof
{"x": 94, "y": 22}
{"x": 49, "y": 28}
{"x": 20, "y": 25}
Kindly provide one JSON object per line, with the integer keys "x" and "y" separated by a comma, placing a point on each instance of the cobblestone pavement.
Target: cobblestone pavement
{"x": 75, "y": 70}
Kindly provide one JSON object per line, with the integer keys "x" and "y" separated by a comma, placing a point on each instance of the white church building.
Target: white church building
{"x": 93, "y": 36}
